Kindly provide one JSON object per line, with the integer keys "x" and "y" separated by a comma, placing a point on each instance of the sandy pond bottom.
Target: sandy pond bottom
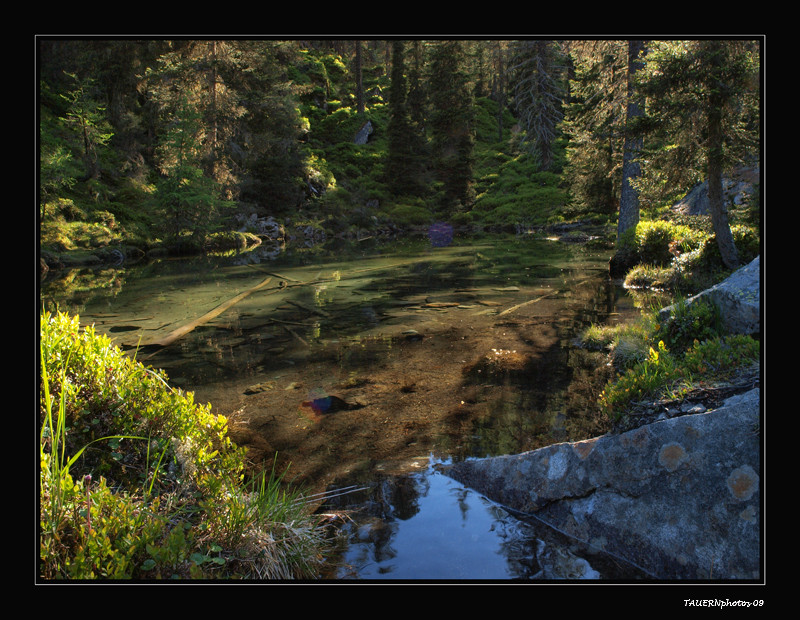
{"x": 361, "y": 374}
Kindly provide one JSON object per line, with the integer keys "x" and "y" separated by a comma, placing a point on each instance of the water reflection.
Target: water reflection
{"x": 464, "y": 537}
{"x": 432, "y": 346}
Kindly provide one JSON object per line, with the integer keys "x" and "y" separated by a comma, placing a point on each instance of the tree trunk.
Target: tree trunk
{"x": 629, "y": 199}
{"x": 716, "y": 204}
{"x": 360, "y": 106}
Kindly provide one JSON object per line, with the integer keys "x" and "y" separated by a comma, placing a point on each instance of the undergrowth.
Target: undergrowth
{"x": 655, "y": 358}
{"x": 136, "y": 481}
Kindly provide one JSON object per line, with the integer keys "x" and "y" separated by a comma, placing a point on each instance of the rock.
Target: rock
{"x": 677, "y": 498}
{"x": 362, "y": 135}
{"x": 330, "y": 404}
{"x": 735, "y": 191}
{"x": 257, "y": 388}
{"x": 267, "y": 227}
{"x": 738, "y": 299}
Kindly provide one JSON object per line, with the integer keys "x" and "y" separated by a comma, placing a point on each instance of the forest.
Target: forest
{"x": 176, "y": 147}
{"x": 163, "y": 142}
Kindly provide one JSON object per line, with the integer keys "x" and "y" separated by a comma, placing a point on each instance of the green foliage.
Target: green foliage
{"x": 413, "y": 215}
{"x": 486, "y": 123}
{"x": 690, "y": 346}
{"x": 644, "y": 378}
{"x": 628, "y": 343}
{"x": 747, "y": 242}
{"x": 681, "y": 257}
{"x": 190, "y": 199}
{"x": 137, "y": 481}
{"x": 699, "y": 320}
{"x": 719, "y": 355}
{"x": 338, "y": 127}
{"x": 517, "y": 193}
{"x": 686, "y": 83}
{"x": 658, "y": 242}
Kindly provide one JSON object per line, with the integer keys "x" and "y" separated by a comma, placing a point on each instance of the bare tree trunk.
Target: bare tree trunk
{"x": 629, "y": 198}
{"x": 716, "y": 204}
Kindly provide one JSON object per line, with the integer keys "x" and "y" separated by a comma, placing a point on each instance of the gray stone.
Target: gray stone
{"x": 362, "y": 135}
{"x": 678, "y": 498}
{"x": 738, "y": 299}
{"x": 736, "y": 190}
{"x": 267, "y": 227}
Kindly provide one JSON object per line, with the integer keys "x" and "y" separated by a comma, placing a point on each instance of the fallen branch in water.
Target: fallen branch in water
{"x": 185, "y": 329}
{"x": 526, "y": 303}
{"x": 295, "y": 334}
{"x": 309, "y": 308}
{"x": 533, "y": 301}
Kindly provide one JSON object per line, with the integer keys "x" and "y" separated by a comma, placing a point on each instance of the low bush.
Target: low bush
{"x": 721, "y": 355}
{"x": 139, "y": 482}
{"x": 699, "y": 320}
{"x": 657, "y": 242}
{"x": 644, "y": 378}
{"x": 410, "y": 215}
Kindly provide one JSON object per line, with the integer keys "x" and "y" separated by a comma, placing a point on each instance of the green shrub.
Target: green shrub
{"x": 746, "y": 240}
{"x": 719, "y": 355}
{"x": 663, "y": 369}
{"x": 649, "y": 276}
{"x": 658, "y": 242}
{"x": 410, "y": 215}
{"x": 643, "y": 379}
{"x": 699, "y": 320}
{"x": 138, "y": 482}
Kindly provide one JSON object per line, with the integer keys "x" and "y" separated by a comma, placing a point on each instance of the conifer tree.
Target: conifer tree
{"x": 404, "y": 170}
{"x": 451, "y": 120}
{"x": 538, "y": 95}
{"x": 629, "y": 198}
{"x": 86, "y": 116}
{"x": 702, "y": 108}
{"x": 594, "y": 124}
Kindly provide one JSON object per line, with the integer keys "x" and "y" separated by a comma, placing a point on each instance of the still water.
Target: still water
{"x": 435, "y": 351}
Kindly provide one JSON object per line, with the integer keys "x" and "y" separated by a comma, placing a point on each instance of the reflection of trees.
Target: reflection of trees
{"x": 80, "y": 286}
{"x": 402, "y": 495}
{"x": 376, "y": 515}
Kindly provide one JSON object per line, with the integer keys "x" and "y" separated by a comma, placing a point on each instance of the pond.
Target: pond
{"x": 364, "y": 365}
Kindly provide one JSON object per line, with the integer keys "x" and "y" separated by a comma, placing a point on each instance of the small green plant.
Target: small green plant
{"x": 139, "y": 482}
{"x": 644, "y": 378}
{"x": 720, "y": 355}
{"x": 698, "y": 320}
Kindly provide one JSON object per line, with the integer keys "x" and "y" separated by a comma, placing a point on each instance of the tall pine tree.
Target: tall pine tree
{"x": 451, "y": 126}
{"x": 538, "y": 95}
{"x": 404, "y": 169}
{"x": 701, "y": 107}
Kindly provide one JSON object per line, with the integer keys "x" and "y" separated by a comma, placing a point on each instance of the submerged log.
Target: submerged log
{"x": 185, "y": 329}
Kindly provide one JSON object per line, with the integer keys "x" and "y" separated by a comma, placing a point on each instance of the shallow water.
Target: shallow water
{"x": 450, "y": 350}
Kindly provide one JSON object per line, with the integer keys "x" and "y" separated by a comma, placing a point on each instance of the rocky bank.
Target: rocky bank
{"x": 679, "y": 497}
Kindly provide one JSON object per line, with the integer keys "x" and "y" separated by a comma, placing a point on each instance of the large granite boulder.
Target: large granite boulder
{"x": 738, "y": 299}
{"x": 678, "y": 498}
{"x": 737, "y": 189}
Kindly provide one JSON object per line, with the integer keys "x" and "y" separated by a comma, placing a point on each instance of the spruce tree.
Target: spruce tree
{"x": 404, "y": 169}
{"x": 701, "y": 106}
{"x": 538, "y": 94}
{"x": 451, "y": 125}
{"x": 631, "y": 168}
{"x": 594, "y": 124}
